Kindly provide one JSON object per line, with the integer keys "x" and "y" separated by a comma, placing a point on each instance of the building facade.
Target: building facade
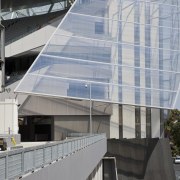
{"x": 118, "y": 52}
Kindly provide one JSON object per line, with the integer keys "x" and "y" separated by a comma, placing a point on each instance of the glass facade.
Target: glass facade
{"x": 119, "y": 51}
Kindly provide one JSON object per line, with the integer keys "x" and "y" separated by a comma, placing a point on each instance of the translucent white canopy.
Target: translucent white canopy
{"x": 119, "y": 51}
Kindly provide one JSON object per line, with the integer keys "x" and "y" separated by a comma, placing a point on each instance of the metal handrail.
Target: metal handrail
{"x": 16, "y": 163}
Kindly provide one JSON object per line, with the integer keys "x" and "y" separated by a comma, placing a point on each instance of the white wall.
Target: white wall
{"x": 8, "y": 116}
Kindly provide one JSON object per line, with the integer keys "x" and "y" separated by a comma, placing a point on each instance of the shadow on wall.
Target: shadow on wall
{"x": 142, "y": 159}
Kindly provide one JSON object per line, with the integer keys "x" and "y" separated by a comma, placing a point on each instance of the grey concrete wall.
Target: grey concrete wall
{"x": 77, "y": 117}
{"x": 77, "y": 166}
{"x": 109, "y": 169}
{"x": 32, "y": 40}
{"x": 35, "y": 105}
{"x": 142, "y": 159}
{"x": 80, "y": 124}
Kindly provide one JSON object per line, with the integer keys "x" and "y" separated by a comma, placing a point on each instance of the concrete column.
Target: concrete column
{"x": 155, "y": 123}
{"x": 114, "y": 122}
{"x": 2, "y": 59}
{"x": 128, "y": 121}
{"x": 1, "y": 84}
{"x": 143, "y": 122}
{"x": 113, "y": 28}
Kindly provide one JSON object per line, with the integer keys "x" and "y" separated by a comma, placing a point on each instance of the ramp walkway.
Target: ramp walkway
{"x": 33, "y": 161}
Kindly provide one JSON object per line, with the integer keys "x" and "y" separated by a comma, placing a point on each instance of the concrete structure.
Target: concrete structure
{"x": 54, "y": 160}
{"x": 67, "y": 168}
{"x": 145, "y": 158}
{"x": 120, "y": 56}
{"x": 9, "y": 128}
{"x": 14, "y": 10}
{"x": 9, "y": 117}
{"x": 123, "y": 54}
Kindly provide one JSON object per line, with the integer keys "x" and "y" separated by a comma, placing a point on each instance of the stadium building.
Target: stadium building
{"x": 113, "y": 54}
{"x": 94, "y": 66}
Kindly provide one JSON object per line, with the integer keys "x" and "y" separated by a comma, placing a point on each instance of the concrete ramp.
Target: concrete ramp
{"x": 71, "y": 159}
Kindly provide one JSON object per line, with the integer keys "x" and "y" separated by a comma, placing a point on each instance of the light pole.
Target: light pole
{"x": 90, "y": 108}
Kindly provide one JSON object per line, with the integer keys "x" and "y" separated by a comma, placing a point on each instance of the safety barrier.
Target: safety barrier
{"x": 16, "y": 163}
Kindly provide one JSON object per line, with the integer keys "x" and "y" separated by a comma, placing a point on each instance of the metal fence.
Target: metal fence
{"x": 14, "y": 164}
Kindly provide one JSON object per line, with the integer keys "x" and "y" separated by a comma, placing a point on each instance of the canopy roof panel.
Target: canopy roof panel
{"x": 119, "y": 51}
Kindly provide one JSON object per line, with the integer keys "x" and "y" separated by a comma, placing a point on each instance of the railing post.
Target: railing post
{"x": 22, "y": 162}
{"x": 6, "y": 168}
{"x": 51, "y": 153}
{"x": 34, "y": 154}
{"x": 43, "y": 155}
{"x": 62, "y": 149}
{"x": 71, "y": 147}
